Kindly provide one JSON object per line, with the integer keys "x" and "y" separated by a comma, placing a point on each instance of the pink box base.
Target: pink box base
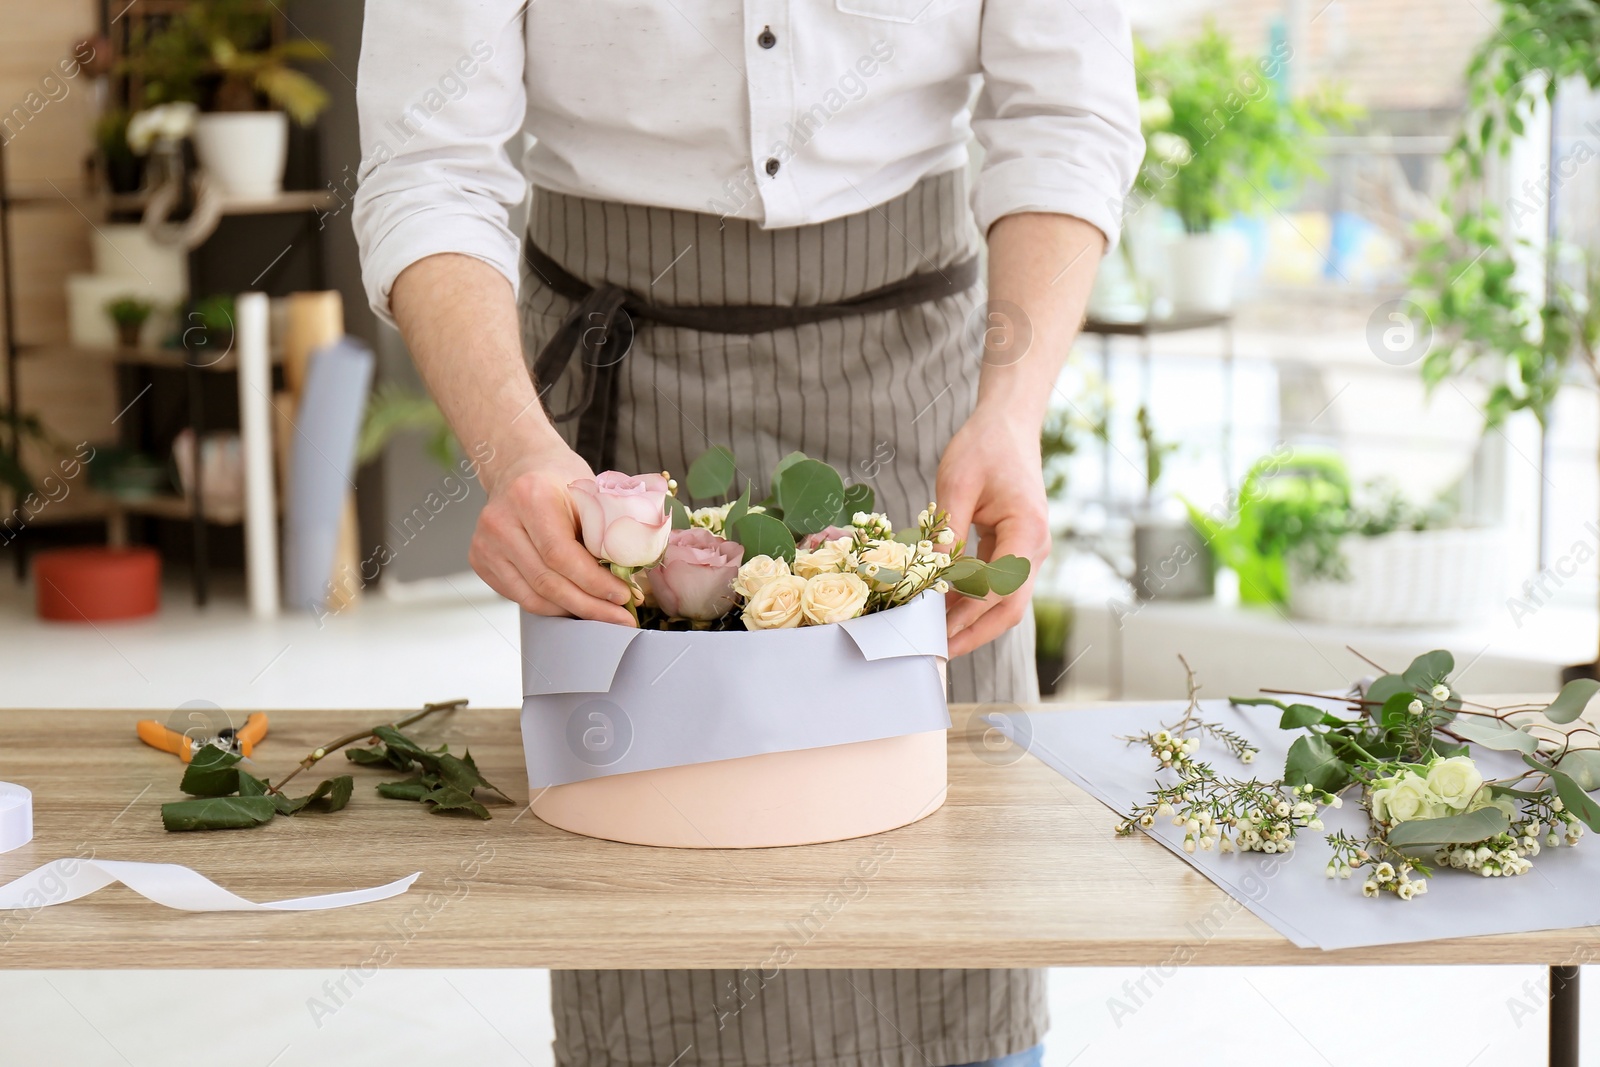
{"x": 770, "y": 800}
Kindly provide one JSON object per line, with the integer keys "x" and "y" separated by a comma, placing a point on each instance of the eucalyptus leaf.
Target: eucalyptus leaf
{"x": 711, "y": 473}
{"x": 858, "y": 497}
{"x": 782, "y": 468}
{"x": 211, "y": 773}
{"x": 1385, "y": 687}
{"x": 1576, "y": 799}
{"x": 1312, "y": 762}
{"x": 1583, "y": 765}
{"x": 1429, "y": 669}
{"x": 217, "y": 813}
{"x": 1572, "y": 699}
{"x": 1451, "y": 830}
{"x": 763, "y": 535}
{"x": 1008, "y": 574}
{"x": 679, "y": 513}
{"x": 974, "y": 584}
{"x": 811, "y": 495}
{"x": 1492, "y": 733}
{"x": 738, "y": 509}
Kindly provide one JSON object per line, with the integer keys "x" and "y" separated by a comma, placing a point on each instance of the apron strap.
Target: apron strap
{"x": 599, "y": 332}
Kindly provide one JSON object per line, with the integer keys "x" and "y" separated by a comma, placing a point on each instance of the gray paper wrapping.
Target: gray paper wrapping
{"x": 603, "y": 699}
{"x": 320, "y": 467}
{"x": 1291, "y": 892}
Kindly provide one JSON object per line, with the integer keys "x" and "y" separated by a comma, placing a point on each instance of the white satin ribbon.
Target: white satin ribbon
{"x": 16, "y": 816}
{"x": 169, "y": 884}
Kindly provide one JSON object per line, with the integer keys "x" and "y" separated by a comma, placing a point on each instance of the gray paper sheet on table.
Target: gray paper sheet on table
{"x": 1292, "y": 893}
{"x": 603, "y": 699}
{"x": 321, "y": 464}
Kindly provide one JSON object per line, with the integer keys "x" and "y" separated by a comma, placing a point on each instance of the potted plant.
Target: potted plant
{"x": 1221, "y": 139}
{"x": 130, "y": 314}
{"x": 121, "y": 166}
{"x": 220, "y": 54}
{"x": 1170, "y": 560}
{"x": 208, "y": 329}
{"x": 1528, "y": 338}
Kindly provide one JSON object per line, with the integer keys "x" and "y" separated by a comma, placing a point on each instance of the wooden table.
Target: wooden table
{"x": 1019, "y": 869}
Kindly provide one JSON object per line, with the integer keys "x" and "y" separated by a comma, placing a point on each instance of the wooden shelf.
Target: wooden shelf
{"x": 164, "y": 358}
{"x": 75, "y": 194}
{"x": 172, "y": 506}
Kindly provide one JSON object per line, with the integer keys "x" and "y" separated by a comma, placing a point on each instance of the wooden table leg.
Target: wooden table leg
{"x": 1563, "y": 1017}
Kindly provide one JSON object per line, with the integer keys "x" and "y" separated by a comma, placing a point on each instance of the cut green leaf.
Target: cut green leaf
{"x": 1577, "y": 801}
{"x": 1298, "y": 716}
{"x": 762, "y": 535}
{"x": 1008, "y": 574}
{"x": 447, "y": 798}
{"x": 858, "y": 497}
{"x": 217, "y": 813}
{"x": 1312, "y": 762}
{"x": 1492, "y": 733}
{"x": 410, "y": 789}
{"x": 679, "y": 513}
{"x": 211, "y": 773}
{"x": 1429, "y": 669}
{"x": 1451, "y": 830}
{"x": 1572, "y": 699}
{"x": 711, "y": 473}
{"x": 1583, "y": 764}
{"x": 738, "y": 509}
{"x": 811, "y": 495}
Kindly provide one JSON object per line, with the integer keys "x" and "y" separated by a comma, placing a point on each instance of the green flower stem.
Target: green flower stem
{"x": 361, "y": 735}
{"x": 626, "y": 574}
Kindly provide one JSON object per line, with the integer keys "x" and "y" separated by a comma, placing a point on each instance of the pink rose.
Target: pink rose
{"x": 694, "y": 579}
{"x": 624, "y": 518}
{"x": 822, "y": 537}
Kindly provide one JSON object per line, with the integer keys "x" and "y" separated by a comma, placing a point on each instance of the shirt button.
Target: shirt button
{"x": 766, "y": 40}
{"x": 772, "y": 167}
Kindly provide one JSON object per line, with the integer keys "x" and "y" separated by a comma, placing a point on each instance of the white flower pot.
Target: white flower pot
{"x": 1200, "y": 273}
{"x": 1408, "y": 578}
{"x": 244, "y": 152}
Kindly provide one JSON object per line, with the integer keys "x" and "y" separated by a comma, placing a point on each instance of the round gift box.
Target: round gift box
{"x": 96, "y": 584}
{"x": 763, "y": 801}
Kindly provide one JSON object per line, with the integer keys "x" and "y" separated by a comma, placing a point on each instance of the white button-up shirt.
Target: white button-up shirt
{"x": 782, "y": 112}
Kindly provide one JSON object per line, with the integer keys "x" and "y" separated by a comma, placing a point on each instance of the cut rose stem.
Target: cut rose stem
{"x": 361, "y": 735}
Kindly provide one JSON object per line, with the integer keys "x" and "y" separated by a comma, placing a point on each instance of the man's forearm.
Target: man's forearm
{"x": 1041, "y": 268}
{"x": 459, "y": 319}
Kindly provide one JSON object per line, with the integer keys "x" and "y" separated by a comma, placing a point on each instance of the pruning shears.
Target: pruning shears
{"x": 241, "y": 741}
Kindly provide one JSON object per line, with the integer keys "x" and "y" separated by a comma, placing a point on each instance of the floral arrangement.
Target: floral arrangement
{"x": 813, "y": 552}
{"x": 1404, "y": 748}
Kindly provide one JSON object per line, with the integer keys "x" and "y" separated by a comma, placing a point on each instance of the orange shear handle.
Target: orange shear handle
{"x": 251, "y": 733}
{"x": 158, "y": 736}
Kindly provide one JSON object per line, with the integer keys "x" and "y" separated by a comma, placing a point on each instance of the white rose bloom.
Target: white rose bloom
{"x": 712, "y": 518}
{"x": 1455, "y": 781}
{"x": 831, "y": 556}
{"x": 757, "y": 572}
{"x": 1409, "y": 798}
{"x": 833, "y": 597}
{"x": 891, "y": 555}
{"x": 776, "y": 605}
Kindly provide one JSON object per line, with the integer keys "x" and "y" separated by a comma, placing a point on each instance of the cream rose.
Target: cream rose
{"x": 776, "y": 605}
{"x": 1455, "y": 781}
{"x": 831, "y": 556}
{"x": 1406, "y": 799}
{"x": 757, "y": 572}
{"x": 833, "y": 597}
{"x": 891, "y": 555}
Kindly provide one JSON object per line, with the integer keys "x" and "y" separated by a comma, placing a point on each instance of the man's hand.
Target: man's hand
{"x": 460, "y": 320}
{"x": 526, "y": 545}
{"x": 990, "y": 478}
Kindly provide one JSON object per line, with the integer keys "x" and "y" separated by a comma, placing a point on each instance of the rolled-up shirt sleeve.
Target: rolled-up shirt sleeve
{"x": 440, "y": 93}
{"x": 1058, "y": 114}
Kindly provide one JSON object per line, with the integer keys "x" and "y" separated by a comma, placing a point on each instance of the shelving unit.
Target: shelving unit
{"x": 138, "y": 366}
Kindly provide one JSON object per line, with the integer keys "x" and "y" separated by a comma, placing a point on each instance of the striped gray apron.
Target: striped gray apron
{"x": 876, "y": 395}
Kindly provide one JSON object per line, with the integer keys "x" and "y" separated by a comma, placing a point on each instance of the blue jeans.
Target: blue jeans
{"x": 1032, "y": 1057}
